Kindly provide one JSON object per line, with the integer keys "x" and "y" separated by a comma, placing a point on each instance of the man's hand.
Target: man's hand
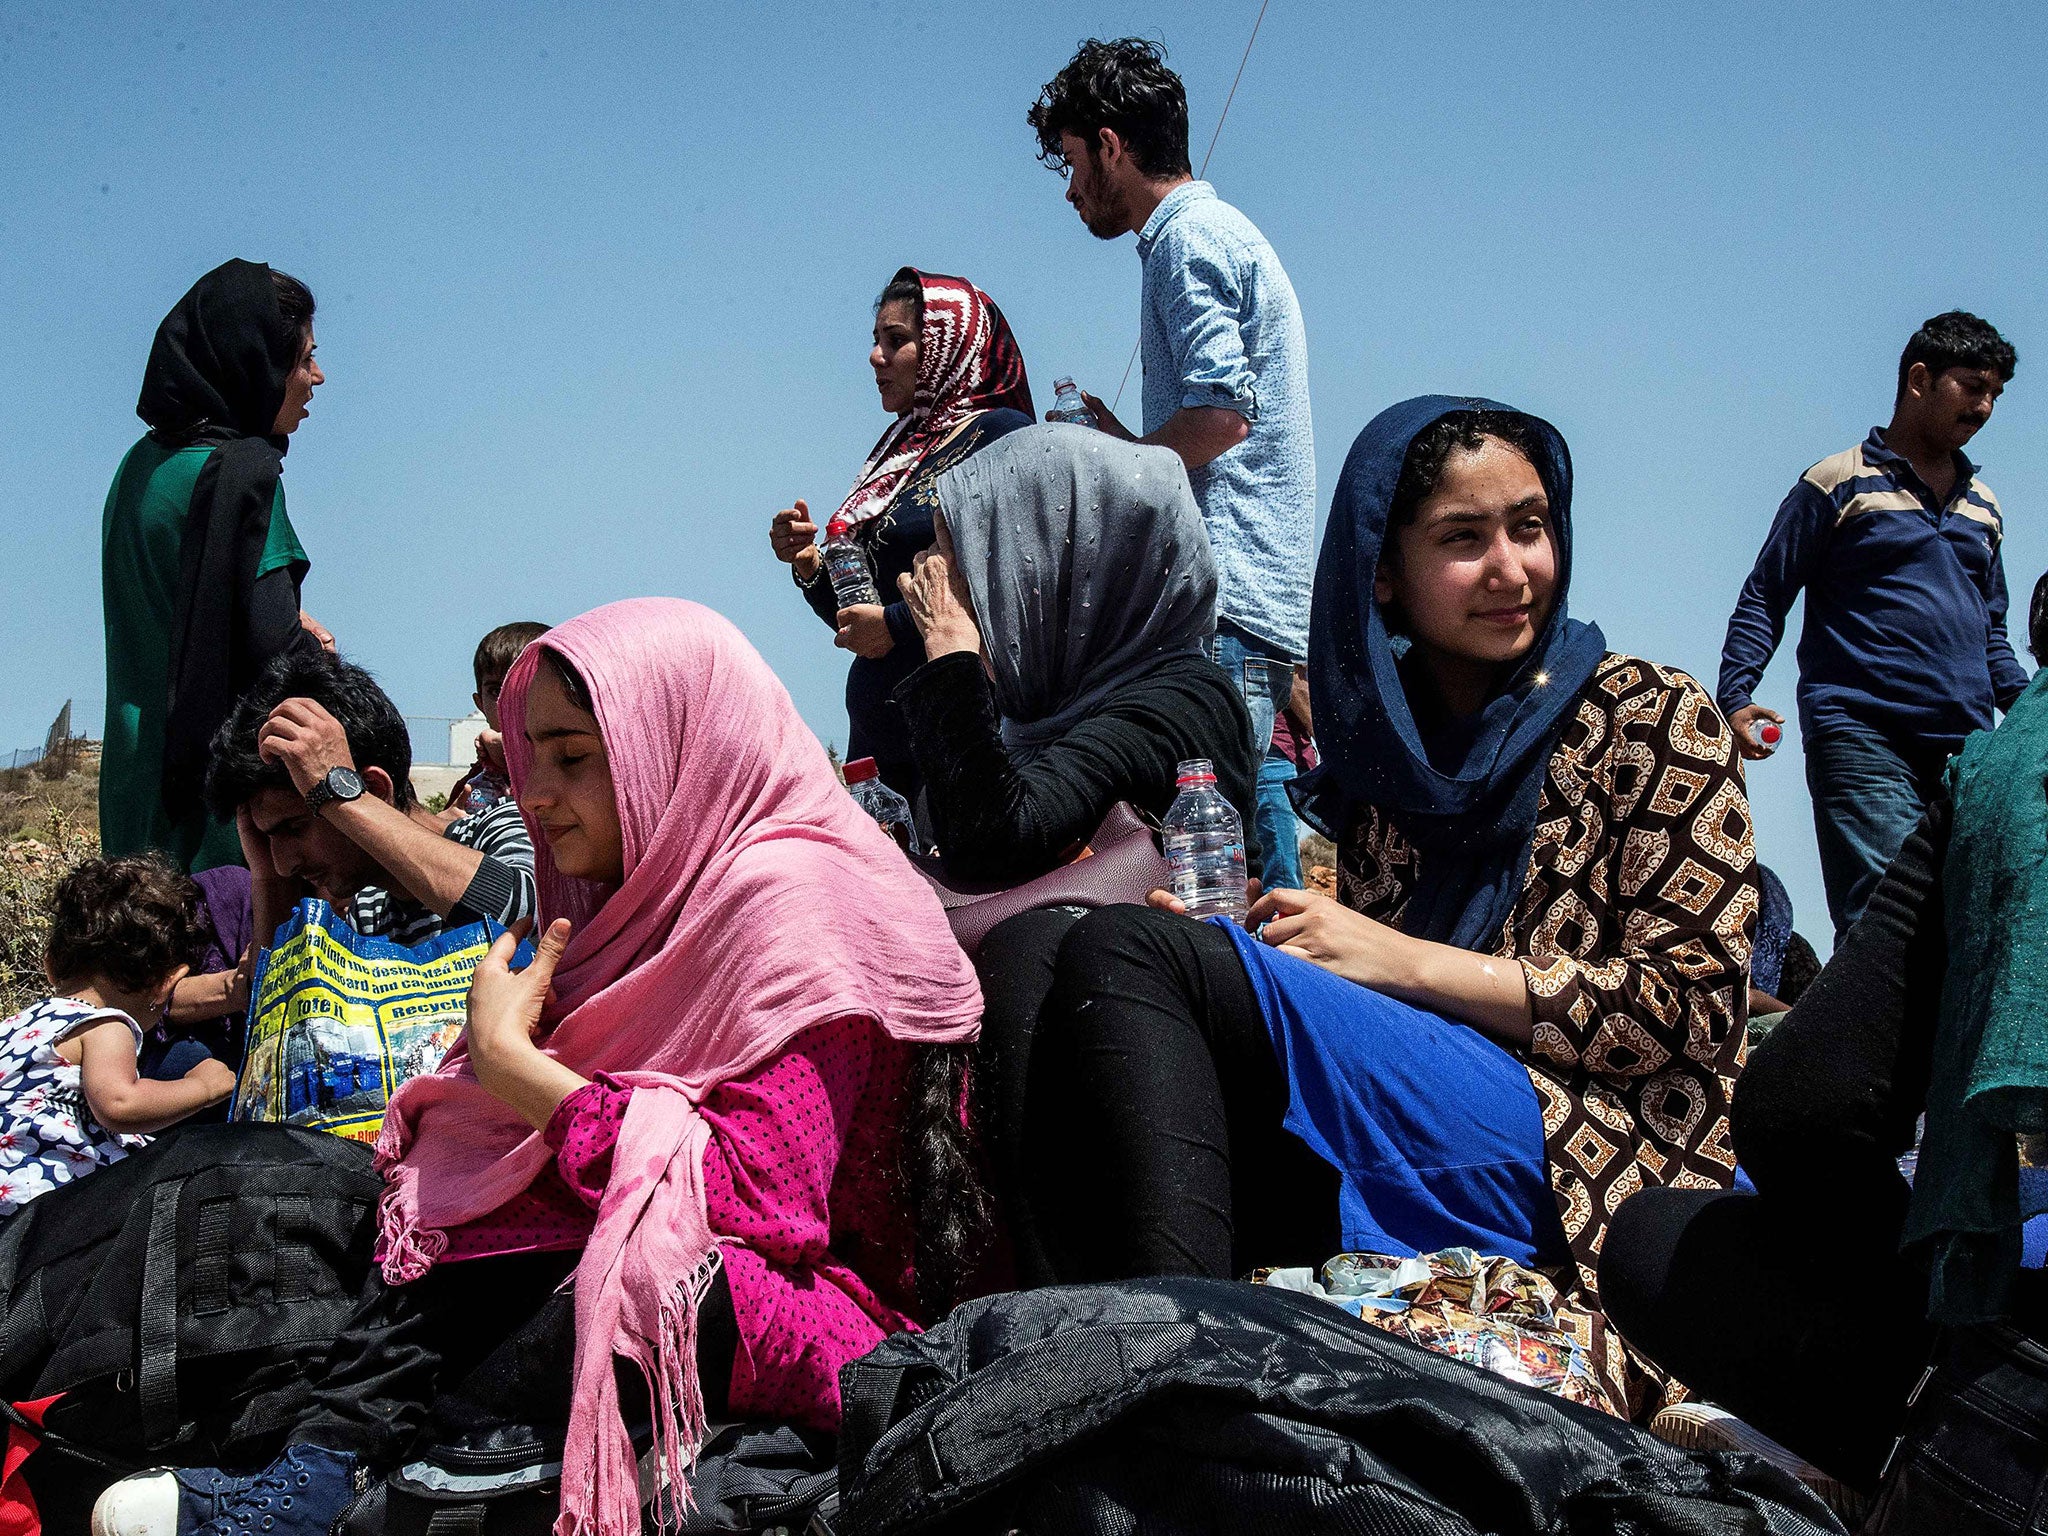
{"x": 1105, "y": 418}
{"x": 864, "y": 630}
{"x": 317, "y": 630}
{"x": 1299, "y": 713}
{"x": 793, "y": 537}
{"x": 263, "y": 868}
{"x": 307, "y": 740}
{"x": 938, "y": 606}
{"x": 1744, "y": 720}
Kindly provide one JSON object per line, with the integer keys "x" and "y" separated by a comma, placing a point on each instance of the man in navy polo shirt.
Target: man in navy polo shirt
{"x": 1904, "y": 651}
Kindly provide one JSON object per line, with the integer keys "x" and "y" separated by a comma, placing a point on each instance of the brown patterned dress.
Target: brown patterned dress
{"x": 1633, "y": 929}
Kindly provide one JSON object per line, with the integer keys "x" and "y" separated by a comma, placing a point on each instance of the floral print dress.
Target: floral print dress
{"x": 48, "y": 1136}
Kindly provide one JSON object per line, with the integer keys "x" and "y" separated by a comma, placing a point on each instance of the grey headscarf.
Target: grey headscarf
{"x": 1088, "y": 566}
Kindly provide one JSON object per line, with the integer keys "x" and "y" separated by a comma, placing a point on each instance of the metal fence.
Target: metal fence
{"x": 63, "y": 759}
{"x": 429, "y": 735}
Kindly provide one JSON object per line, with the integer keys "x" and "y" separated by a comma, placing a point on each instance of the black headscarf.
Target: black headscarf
{"x": 1470, "y": 807}
{"x": 217, "y": 375}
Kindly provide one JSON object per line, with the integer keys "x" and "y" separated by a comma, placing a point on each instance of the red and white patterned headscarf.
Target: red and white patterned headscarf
{"x": 967, "y": 362}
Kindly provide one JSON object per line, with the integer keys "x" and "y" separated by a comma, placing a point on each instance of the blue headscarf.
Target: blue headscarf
{"x": 1472, "y": 822}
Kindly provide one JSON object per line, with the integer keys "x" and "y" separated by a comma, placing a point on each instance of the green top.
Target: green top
{"x": 141, "y": 535}
{"x": 1989, "y": 1078}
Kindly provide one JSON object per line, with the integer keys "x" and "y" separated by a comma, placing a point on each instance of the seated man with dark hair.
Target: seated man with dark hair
{"x": 315, "y": 765}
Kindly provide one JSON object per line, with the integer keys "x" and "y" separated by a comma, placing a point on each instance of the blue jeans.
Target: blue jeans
{"x": 1868, "y": 795}
{"x": 1279, "y": 832}
{"x": 166, "y": 1063}
{"x": 1262, "y": 678}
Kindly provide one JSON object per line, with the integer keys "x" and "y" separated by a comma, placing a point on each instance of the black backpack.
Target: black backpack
{"x": 181, "y": 1299}
{"x": 1171, "y": 1406}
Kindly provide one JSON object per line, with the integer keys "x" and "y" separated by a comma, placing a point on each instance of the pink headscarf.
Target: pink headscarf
{"x": 758, "y": 900}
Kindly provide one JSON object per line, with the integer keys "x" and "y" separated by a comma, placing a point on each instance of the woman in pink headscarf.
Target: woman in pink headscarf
{"x": 692, "y": 1104}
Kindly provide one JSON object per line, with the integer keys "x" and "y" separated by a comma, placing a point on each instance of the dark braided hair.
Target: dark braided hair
{"x": 953, "y": 1216}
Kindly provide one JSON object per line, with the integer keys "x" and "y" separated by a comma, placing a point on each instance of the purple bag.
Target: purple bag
{"x": 1120, "y": 864}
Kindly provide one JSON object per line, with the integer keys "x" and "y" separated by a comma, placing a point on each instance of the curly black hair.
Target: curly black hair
{"x": 377, "y": 737}
{"x": 132, "y": 921}
{"x": 1454, "y": 432}
{"x": 1957, "y": 339}
{"x": 1124, "y": 86}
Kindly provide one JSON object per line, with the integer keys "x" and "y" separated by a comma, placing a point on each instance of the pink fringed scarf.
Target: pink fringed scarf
{"x": 758, "y": 900}
{"x": 967, "y": 362}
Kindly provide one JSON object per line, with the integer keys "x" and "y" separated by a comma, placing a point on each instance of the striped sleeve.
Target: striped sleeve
{"x": 502, "y": 888}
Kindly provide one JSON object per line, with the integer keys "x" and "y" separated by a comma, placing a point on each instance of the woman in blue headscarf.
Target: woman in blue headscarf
{"x": 1528, "y": 999}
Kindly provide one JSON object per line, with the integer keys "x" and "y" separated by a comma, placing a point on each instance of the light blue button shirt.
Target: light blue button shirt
{"x": 1220, "y": 326}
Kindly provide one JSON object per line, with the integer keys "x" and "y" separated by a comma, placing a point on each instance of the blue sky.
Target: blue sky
{"x": 594, "y": 281}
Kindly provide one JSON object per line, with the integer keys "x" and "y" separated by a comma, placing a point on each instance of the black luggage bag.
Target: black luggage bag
{"x": 1157, "y": 1408}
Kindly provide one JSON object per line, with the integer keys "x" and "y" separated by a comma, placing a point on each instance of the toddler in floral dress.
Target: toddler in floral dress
{"x": 123, "y": 933}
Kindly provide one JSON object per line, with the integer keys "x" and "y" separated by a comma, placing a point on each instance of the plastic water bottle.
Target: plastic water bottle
{"x": 847, "y": 564}
{"x": 1766, "y": 734}
{"x": 1205, "y": 845}
{"x": 1068, "y": 406}
{"x": 890, "y": 810}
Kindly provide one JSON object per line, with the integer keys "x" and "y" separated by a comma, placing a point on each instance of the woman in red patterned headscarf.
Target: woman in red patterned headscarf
{"x": 946, "y": 364}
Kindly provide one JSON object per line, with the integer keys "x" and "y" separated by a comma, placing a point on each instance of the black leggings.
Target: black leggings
{"x": 1132, "y": 1104}
{"x": 1793, "y": 1308}
{"x": 479, "y": 1352}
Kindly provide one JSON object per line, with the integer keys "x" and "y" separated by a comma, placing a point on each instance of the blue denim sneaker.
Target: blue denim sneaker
{"x": 171, "y": 1502}
{"x": 299, "y": 1494}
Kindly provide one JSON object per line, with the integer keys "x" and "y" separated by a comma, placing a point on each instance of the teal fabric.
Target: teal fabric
{"x": 1989, "y": 1082}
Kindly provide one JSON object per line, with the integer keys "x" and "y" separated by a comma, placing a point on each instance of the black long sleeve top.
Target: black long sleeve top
{"x": 1000, "y": 821}
{"x": 892, "y": 542}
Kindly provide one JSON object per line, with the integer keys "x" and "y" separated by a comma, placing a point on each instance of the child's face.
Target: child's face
{"x": 488, "y": 688}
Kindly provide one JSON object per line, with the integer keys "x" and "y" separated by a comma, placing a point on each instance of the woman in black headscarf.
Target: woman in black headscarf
{"x": 200, "y": 567}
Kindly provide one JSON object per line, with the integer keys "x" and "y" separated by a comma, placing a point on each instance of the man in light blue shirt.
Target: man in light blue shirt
{"x": 1226, "y": 360}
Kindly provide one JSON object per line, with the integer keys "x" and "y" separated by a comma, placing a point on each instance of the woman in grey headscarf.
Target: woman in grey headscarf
{"x": 1066, "y": 612}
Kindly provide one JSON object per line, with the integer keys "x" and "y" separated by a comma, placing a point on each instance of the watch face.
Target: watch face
{"x": 344, "y": 783}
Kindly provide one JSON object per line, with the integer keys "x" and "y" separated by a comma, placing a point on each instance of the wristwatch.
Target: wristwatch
{"x": 340, "y": 785}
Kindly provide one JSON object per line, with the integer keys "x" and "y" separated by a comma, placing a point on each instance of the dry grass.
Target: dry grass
{"x": 47, "y": 825}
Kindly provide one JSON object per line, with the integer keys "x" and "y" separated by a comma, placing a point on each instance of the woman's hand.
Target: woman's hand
{"x": 1166, "y": 901}
{"x": 864, "y": 630}
{"x": 937, "y": 600}
{"x": 504, "y": 1013}
{"x": 317, "y": 630}
{"x": 1327, "y": 933}
{"x": 504, "y": 1004}
{"x": 793, "y": 536}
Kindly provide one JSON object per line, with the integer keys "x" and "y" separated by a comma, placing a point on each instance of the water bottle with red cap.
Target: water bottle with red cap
{"x": 853, "y": 583}
{"x": 890, "y": 810}
{"x": 1766, "y": 734}
{"x": 1203, "y": 838}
